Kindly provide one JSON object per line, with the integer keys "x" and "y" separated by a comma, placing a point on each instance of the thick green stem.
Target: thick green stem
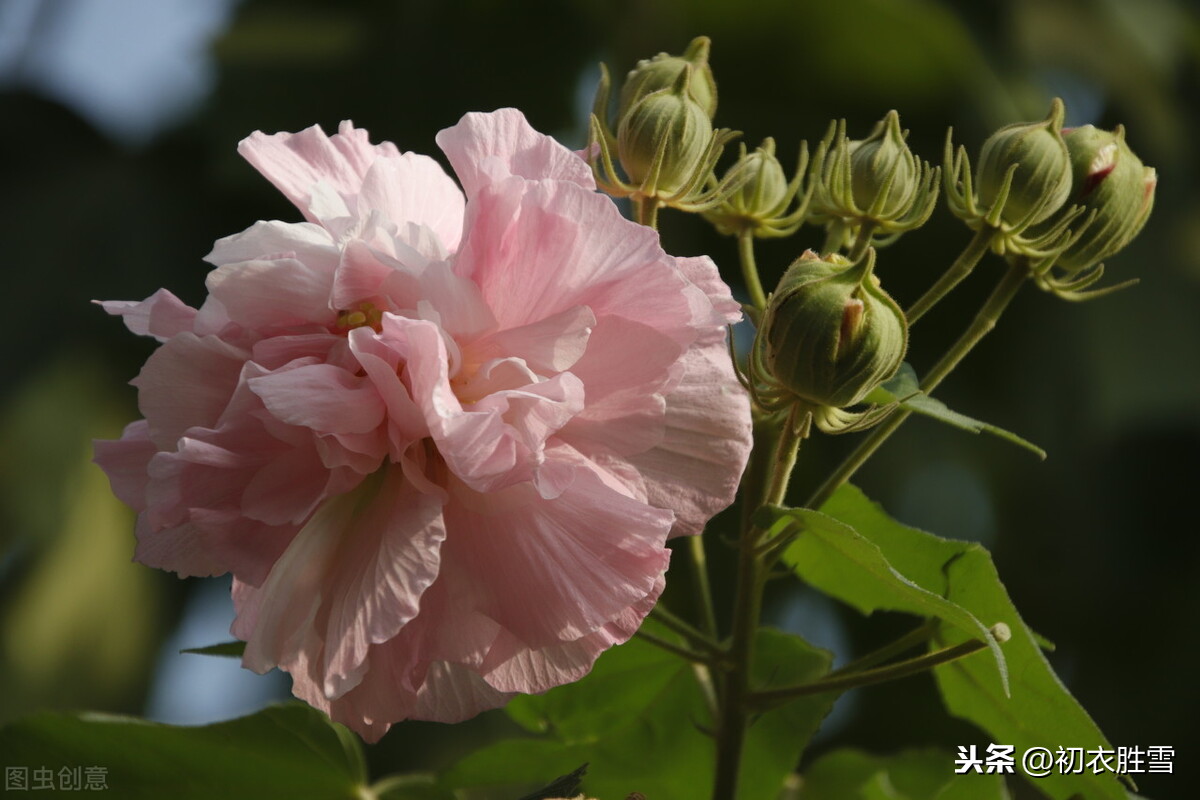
{"x": 775, "y": 445}
{"x": 835, "y": 234}
{"x": 750, "y": 270}
{"x": 863, "y": 240}
{"x": 984, "y": 321}
{"x": 960, "y": 269}
{"x": 701, "y": 585}
{"x": 645, "y": 211}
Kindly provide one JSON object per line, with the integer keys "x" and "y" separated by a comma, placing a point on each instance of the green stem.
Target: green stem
{"x": 645, "y": 211}
{"x": 890, "y": 650}
{"x": 835, "y": 234}
{"x": 667, "y": 619}
{"x": 961, "y": 268}
{"x": 775, "y": 445}
{"x": 901, "y": 669}
{"x": 671, "y": 647}
{"x": 750, "y": 270}
{"x": 983, "y": 323}
{"x": 863, "y": 240}
{"x": 702, "y": 587}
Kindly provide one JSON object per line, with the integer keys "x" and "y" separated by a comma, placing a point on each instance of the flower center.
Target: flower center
{"x": 366, "y": 314}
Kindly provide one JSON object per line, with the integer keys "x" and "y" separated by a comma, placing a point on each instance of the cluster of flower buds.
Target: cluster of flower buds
{"x": 830, "y": 335}
{"x": 871, "y": 189}
{"x": 664, "y": 140}
{"x": 1065, "y": 199}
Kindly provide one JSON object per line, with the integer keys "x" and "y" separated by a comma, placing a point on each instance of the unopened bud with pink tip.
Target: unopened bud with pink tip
{"x": 1109, "y": 180}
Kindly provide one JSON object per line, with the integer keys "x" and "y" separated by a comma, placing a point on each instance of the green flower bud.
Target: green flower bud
{"x": 1112, "y": 181}
{"x": 831, "y": 333}
{"x": 666, "y": 128}
{"x": 883, "y": 164}
{"x": 764, "y": 194}
{"x": 661, "y": 72}
{"x": 1042, "y": 181}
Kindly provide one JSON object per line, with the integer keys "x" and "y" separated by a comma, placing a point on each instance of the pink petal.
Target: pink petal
{"x": 185, "y": 383}
{"x": 696, "y": 470}
{"x": 486, "y": 148}
{"x": 556, "y": 570}
{"x": 549, "y": 345}
{"x": 322, "y": 397}
{"x": 355, "y": 573}
{"x": 412, "y": 188}
{"x": 702, "y": 272}
{"x": 538, "y": 249}
{"x": 125, "y": 462}
{"x": 302, "y": 241}
{"x": 512, "y": 667}
{"x": 294, "y": 162}
{"x": 161, "y": 315}
{"x": 283, "y": 293}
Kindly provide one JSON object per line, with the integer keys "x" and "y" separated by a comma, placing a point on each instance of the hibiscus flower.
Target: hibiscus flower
{"x": 438, "y": 436}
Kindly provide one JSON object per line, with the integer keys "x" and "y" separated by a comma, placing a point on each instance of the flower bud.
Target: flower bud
{"x": 661, "y": 72}
{"x": 1109, "y": 179}
{"x": 831, "y": 333}
{"x": 667, "y": 129}
{"x": 763, "y": 193}
{"x": 883, "y": 165}
{"x": 1042, "y": 181}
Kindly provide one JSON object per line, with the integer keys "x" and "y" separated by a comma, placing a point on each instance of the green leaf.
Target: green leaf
{"x": 639, "y": 721}
{"x": 906, "y": 389}
{"x": 777, "y": 738}
{"x": 226, "y": 649}
{"x": 634, "y": 719}
{"x": 836, "y": 559}
{"x": 282, "y": 751}
{"x": 1037, "y": 710}
{"x": 910, "y": 775}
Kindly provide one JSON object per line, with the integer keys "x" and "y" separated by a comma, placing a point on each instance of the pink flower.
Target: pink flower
{"x": 439, "y": 442}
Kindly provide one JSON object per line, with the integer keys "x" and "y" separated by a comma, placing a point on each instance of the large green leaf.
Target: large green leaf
{"x": 904, "y": 388}
{"x": 1037, "y": 710}
{"x": 778, "y": 737}
{"x": 639, "y": 721}
{"x": 282, "y": 751}
{"x": 910, "y": 775}
{"x": 841, "y": 562}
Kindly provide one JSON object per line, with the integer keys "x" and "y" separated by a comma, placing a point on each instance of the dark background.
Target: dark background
{"x": 1097, "y": 544}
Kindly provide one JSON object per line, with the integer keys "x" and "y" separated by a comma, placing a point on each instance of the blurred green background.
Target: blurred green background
{"x": 119, "y": 169}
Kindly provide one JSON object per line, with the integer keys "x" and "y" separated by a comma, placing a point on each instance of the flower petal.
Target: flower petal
{"x": 161, "y": 315}
{"x": 355, "y": 574}
{"x": 185, "y": 383}
{"x": 556, "y": 570}
{"x": 322, "y": 397}
{"x": 485, "y": 148}
{"x": 414, "y": 189}
{"x": 294, "y": 162}
{"x": 696, "y": 469}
